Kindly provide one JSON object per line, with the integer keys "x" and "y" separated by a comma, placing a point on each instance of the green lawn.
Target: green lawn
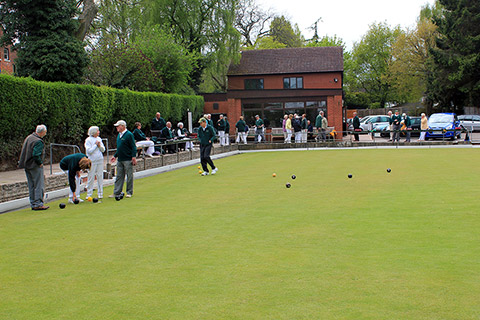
{"x": 240, "y": 245}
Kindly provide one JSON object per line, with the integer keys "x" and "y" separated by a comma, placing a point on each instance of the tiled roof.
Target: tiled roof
{"x": 289, "y": 60}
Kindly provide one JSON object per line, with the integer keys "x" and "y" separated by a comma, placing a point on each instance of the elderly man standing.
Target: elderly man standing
{"x": 126, "y": 154}
{"x": 31, "y": 159}
{"x": 241, "y": 133}
{"x": 259, "y": 129}
{"x": 221, "y": 125}
{"x": 206, "y": 136}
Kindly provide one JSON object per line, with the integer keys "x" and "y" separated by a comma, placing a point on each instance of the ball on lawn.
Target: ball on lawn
{"x": 294, "y": 176}
{"x": 89, "y": 199}
{"x": 389, "y": 170}
{"x": 200, "y": 171}
{"x": 122, "y": 195}
{"x": 95, "y": 200}
{"x": 274, "y": 175}
{"x": 199, "y": 167}
{"x": 76, "y": 201}
{"x": 288, "y": 185}
{"x": 118, "y": 198}
{"x": 350, "y": 176}
{"x": 62, "y": 205}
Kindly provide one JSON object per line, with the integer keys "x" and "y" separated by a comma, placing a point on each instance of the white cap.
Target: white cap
{"x": 120, "y": 123}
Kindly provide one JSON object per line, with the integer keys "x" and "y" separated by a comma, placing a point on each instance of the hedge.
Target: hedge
{"x": 68, "y": 110}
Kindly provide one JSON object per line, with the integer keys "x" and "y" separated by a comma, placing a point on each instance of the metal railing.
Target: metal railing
{"x": 75, "y": 147}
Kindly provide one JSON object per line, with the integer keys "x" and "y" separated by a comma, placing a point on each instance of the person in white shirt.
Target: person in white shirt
{"x": 182, "y": 133}
{"x": 94, "y": 149}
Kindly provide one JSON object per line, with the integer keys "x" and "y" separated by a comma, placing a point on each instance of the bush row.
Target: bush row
{"x": 68, "y": 110}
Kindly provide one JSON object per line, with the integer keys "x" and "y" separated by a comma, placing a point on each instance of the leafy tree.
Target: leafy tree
{"x": 152, "y": 62}
{"x": 370, "y": 62}
{"x": 326, "y": 41}
{"x": 455, "y": 80}
{"x": 281, "y": 31}
{"x": 204, "y": 27}
{"x": 410, "y": 67}
{"x": 252, "y": 21}
{"x": 43, "y": 32}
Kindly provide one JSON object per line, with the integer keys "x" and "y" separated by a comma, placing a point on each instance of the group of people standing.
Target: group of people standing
{"x": 397, "y": 124}
{"x": 293, "y": 124}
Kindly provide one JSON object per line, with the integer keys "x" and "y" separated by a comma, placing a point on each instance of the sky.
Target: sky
{"x": 348, "y": 19}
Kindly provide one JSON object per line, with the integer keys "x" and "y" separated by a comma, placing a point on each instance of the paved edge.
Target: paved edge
{"x": 57, "y": 194}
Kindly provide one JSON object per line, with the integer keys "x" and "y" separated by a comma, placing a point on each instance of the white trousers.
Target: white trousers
{"x": 304, "y": 135}
{"x": 422, "y": 135}
{"x": 241, "y": 136}
{"x": 189, "y": 145}
{"x": 95, "y": 171}
{"x": 289, "y": 136}
{"x": 298, "y": 136}
{"x": 77, "y": 187}
{"x": 227, "y": 139}
{"x": 149, "y": 144}
{"x": 221, "y": 134}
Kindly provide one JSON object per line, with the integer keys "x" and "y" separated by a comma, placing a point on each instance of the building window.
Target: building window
{"x": 215, "y": 106}
{"x": 253, "y": 84}
{"x": 6, "y": 54}
{"x": 293, "y": 83}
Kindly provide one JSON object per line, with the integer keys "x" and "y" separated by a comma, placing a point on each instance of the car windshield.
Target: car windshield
{"x": 441, "y": 118}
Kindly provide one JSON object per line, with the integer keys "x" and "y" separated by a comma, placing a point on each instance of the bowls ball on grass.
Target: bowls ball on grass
{"x": 95, "y": 200}
{"x": 122, "y": 195}
{"x": 350, "y": 176}
{"x": 294, "y": 176}
{"x": 288, "y": 185}
{"x": 76, "y": 201}
{"x": 118, "y": 198}
{"x": 62, "y": 205}
{"x": 274, "y": 175}
{"x": 89, "y": 199}
{"x": 389, "y": 170}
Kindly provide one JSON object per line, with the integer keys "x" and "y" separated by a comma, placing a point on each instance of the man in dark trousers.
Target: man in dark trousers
{"x": 206, "y": 136}
{"x": 227, "y": 131}
{"x": 356, "y": 126}
{"x": 259, "y": 125}
{"x": 126, "y": 154}
{"x": 73, "y": 165}
{"x": 31, "y": 159}
{"x": 221, "y": 125}
{"x": 396, "y": 122}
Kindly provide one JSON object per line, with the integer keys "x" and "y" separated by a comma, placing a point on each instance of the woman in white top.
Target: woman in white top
{"x": 182, "y": 133}
{"x": 94, "y": 149}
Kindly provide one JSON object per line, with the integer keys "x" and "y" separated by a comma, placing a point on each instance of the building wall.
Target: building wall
{"x": 310, "y": 81}
{"x": 7, "y": 66}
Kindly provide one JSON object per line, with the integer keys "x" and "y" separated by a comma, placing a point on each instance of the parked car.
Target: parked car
{"x": 471, "y": 122}
{"x": 439, "y": 123}
{"x": 376, "y": 122}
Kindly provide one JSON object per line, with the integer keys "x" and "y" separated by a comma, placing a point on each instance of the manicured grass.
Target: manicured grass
{"x": 240, "y": 245}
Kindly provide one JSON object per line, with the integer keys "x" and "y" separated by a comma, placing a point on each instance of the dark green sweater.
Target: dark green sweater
{"x": 227, "y": 126}
{"x": 241, "y": 125}
{"x": 70, "y": 163}
{"x": 356, "y": 122}
{"x": 304, "y": 123}
{"x": 139, "y": 135}
{"x": 221, "y": 125}
{"x": 126, "y": 147}
{"x": 206, "y": 136}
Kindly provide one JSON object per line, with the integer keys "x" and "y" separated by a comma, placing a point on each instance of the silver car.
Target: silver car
{"x": 471, "y": 122}
{"x": 377, "y": 122}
